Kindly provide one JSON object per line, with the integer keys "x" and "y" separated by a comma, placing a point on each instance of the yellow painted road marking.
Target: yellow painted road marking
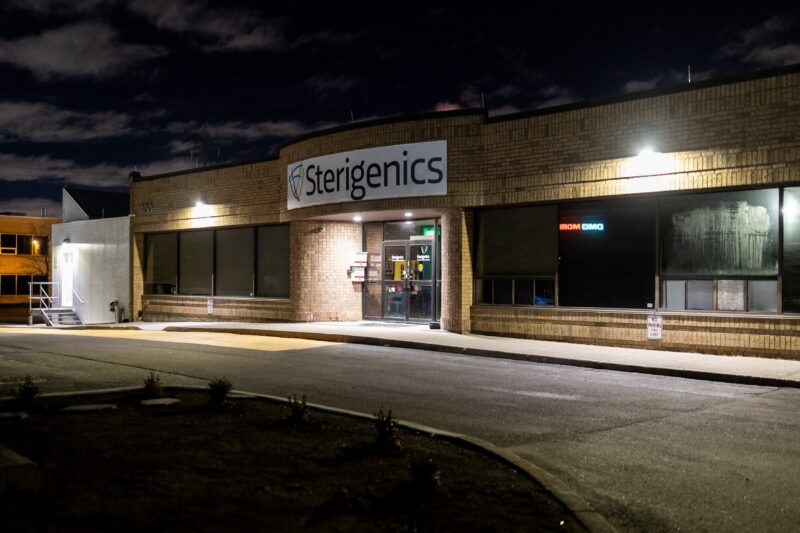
{"x": 228, "y": 340}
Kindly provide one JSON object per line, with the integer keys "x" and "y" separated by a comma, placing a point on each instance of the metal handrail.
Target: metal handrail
{"x": 78, "y": 296}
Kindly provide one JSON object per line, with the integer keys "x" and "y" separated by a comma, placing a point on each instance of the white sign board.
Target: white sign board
{"x": 357, "y": 274}
{"x": 418, "y": 169}
{"x": 359, "y": 259}
{"x": 210, "y": 306}
{"x": 655, "y": 326}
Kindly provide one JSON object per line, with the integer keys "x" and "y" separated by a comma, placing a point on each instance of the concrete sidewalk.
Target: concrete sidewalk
{"x": 729, "y": 369}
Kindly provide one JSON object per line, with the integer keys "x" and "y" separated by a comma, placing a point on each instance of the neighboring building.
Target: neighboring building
{"x": 24, "y": 256}
{"x": 555, "y": 224}
{"x": 91, "y": 254}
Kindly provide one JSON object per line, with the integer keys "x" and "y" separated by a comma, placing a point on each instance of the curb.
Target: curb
{"x": 592, "y": 520}
{"x": 499, "y": 354}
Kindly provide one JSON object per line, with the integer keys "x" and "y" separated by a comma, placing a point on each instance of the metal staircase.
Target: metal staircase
{"x": 46, "y": 296}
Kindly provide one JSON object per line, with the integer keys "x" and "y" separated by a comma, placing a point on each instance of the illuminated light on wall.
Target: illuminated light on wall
{"x": 649, "y": 163}
{"x": 202, "y": 210}
{"x": 582, "y": 226}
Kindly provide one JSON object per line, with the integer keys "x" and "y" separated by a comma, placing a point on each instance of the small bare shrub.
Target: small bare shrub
{"x": 386, "y": 431}
{"x": 151, "y": 386}
{"x": 298, "y": 410}
{"x": 218, "y": 389}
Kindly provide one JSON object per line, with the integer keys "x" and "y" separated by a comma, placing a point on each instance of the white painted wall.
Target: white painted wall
{"x": 70, "y": 209}
{"x": 101, "y": 265}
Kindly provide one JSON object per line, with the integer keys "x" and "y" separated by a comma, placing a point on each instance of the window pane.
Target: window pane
{"x": 8, "y": 285}
{"x": 523, "y": 291}
{"x": 272, "y": 269}
{"x": 486, "y": 291}
{"x": 608, "y": 254}
{"x": 408, "y": 230}
{"x": 22, "y": 284}
{"x": 24, "y": 244}
{"x": 673, "y": 294}
{"x": 731, "y": 233}
{"x": 161, "y": 263}
{"x": 502, "y": 292}
{"x": 791, "y": 250}
{"x": 8, "y": 240}
{"x": 730, "y": 295}
{"x": 40, "y": 245}
{"x": 196, "y": 261}
{"x": 699, "y": 294}
{"x": 518, "y": 241}
{"x": 545, "y": 292}
{"x": 762, "y": 295}
{"x": 235, "y": 258}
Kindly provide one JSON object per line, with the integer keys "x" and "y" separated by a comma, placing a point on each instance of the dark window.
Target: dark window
{"x": 791, "y": 250}
{"x": 196, "y": 258}
{"x": 545, "y": 292}
{"x": 607, "y": 254}
{"x": 235, "y": 255}
{"x": 720, "y": 234}
{"x": 523, "y": 291}
{"x": 161, "y": 263}
{"x": 22, "y": 284}
{"x": 403, "y": 231}
{"x": 24, "y": 244}
{"x": 272, "y": 263}
{"x": 8, "y": 243}
{"x": 502, "y": 292}
{"x": 519, "y": 241}
{"x": 8, "y": 285}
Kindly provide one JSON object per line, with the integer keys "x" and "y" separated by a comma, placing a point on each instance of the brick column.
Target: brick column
{"x": 456, "y": 269}
{"x": 137, "y": 274}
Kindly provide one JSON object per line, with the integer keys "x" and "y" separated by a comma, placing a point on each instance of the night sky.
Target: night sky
{"x": 92, "y": 89}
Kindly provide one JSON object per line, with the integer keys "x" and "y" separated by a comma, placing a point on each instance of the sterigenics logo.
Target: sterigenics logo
{"x": 416, "y": 169}
{"x": 296, "y": 181}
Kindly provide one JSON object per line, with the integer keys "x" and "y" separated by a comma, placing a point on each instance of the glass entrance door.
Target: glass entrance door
{"x": 408, "y": 279}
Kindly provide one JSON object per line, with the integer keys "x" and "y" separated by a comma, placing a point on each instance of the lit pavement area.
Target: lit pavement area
{"x": 649, "y": 452}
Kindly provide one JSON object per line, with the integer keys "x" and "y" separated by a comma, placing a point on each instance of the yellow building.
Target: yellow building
{"x": 24, "y": 257}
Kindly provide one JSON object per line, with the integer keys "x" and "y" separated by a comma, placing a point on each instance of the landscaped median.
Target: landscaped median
{"x": 254, "y": 463}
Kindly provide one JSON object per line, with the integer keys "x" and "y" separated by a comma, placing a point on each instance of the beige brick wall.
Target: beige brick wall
{"x": 762, "y": 336}
{"x": 321, "y": 257}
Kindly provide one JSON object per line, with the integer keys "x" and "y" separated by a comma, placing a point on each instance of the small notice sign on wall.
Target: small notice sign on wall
{"x": 210, "y": 306}
{"x": 655, "y": 326}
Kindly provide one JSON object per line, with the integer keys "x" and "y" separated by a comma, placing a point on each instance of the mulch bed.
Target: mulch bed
{"x": 245, "y": 466}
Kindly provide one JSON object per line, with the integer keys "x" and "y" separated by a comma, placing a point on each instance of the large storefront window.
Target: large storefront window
{"x": 719, "y": 251}
{"x": 272, "y": 268}
{"x": 161, "y": 265}
{"x": 515, "y": 259}
{"x": 607, "y": 254}
{"x": 235, "y": 251}
{"x": 224, "y": 262}
{"x": 196, "y": 262}
{"x": 791, "y": 250}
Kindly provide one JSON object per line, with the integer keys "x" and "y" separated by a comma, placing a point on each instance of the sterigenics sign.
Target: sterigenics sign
{"x": 418, "y": 169}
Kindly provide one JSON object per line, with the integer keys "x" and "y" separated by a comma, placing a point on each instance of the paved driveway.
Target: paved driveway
{"x": 650, "y": 453}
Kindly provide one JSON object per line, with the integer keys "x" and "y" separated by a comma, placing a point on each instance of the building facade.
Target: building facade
{"x": 24, "y": 258}
{"x": 91, "y": 255}
{"x": 665, "y": 220}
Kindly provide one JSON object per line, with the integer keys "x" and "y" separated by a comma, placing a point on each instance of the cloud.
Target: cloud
{"x": 765, "y": 44}
{"x": 86, "y": 49}
{"x": 15, "y": 168}
{"x": 42, "y": 122}
{"x": 31, "y": 206}
{"x": 246, "y": 131}
{"x": 60, "y": 7}
{"x": 325, "y": 84}
{"x": 503, "y": 110}
{"x": 469, "y": 98}
{"x": 230, "y": 29}
{"x": 554, "y": 95}
{"x": 671, "y": 78}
